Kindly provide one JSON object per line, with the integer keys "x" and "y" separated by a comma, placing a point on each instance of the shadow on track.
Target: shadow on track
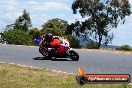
{"x": 40, "y": 58}
{"x": 53, "y": 59}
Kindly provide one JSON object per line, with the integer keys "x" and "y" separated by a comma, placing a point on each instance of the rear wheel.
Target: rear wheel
{"x": 74, "y": 55}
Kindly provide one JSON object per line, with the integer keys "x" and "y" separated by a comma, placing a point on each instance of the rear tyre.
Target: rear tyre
{"x": 74, "y": 55}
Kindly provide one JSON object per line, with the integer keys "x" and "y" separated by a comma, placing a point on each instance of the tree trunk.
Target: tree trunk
{"x": 100, "y": 39}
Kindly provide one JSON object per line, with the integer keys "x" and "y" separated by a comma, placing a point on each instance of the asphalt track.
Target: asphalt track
{"x": 93, "y": 62}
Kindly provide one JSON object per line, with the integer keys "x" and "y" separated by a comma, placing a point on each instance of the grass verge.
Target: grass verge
{"x": 14, "y": 76}
{"x": 109, "y": 50}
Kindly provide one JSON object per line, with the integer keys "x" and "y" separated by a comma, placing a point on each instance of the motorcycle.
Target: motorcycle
{"x": 60, "y": 49}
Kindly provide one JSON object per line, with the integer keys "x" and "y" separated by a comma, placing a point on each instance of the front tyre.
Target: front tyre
{"x": 74, "y": 55}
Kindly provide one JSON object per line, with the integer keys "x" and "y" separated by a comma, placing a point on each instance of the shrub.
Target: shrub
{"x": 34, "y": 33}
{"x": 125, "y": 48}
{"x": 92, "y": 45}
{"x": 55, "y": 32}
{"x": 73, "y": 41}
{"x": 17, "y": 37}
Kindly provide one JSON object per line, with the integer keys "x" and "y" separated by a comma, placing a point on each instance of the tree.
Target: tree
{"x": 9, "y": 27}
{"x": 56, "y": 26}
{"x": 70, "y": 29}
{"x": 34, "y": 33}
{"x": 102, "y": 15}
{"x": 22, "y": 23}
{"x": 73, "y": 28}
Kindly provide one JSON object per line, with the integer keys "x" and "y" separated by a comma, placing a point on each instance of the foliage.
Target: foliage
{"x": 34, "y": 33}
{"x": 101, "y": 17}
{"x": 73, "y": 28}
{"x": 92, "y": 45}
{"x": 53, "y": 31}
{"x": 22, "y": 23}
{"x": 73, "y": 41}
{"x": 54, "y": 26}
{"x": 125, "y": 48}
{"x": 17, "y": 37}
{"x": 10, "y": 27}
{"x": 69, "y": 29}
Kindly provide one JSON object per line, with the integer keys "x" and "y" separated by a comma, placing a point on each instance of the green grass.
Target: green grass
{"x": 13, "y": 76}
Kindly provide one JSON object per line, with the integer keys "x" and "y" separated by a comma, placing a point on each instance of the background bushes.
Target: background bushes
{"x": 92, "y": 45}
{"x": 125, "y": 48}
{"x": 17, "y": 37}
{"x": 34, "y": 33}
{"x": 55, "y": 32}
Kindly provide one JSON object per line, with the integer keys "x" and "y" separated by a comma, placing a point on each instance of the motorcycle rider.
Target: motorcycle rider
{"x": 51, "y": 41}
{"x": 48, "y": 38}
{"x": 45, "y": 43}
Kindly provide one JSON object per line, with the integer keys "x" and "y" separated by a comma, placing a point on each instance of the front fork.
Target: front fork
{"x": 68, "y": 52}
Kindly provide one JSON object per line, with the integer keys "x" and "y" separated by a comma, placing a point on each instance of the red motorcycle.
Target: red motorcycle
{"x": 59, "y": 48}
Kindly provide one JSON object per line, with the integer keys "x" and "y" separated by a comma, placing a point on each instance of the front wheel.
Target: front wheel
{"x": 74, "y": 55}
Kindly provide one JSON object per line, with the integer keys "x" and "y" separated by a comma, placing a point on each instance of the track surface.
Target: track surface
{"x": 92, "y": 61}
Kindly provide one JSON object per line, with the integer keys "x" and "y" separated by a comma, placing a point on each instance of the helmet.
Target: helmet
{"x": 48, "y": 37}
